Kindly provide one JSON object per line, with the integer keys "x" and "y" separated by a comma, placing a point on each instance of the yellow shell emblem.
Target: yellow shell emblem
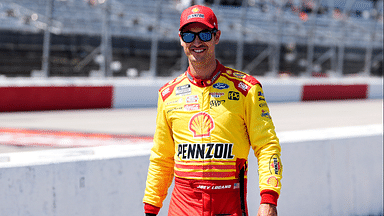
{"x": 273, "y": 181}
{"x": 201, "y": 124}
{"x": 195, "y": 10}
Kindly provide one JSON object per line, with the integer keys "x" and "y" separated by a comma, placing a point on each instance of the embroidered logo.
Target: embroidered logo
{"x": 273, "y": 181}
{"x": 201, "y": 124}
{"x": 191, "y": 107}
{"x": 220, "y": 86}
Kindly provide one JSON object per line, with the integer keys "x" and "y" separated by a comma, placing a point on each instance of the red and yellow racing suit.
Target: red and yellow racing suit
{"x": 204, "y": 132}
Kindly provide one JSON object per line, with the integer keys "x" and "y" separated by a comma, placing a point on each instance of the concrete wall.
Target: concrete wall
{"x": 336, "y": 171}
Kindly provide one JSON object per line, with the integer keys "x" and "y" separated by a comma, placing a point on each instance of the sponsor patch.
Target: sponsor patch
{"x": 175, "y": 101}
{"x": 243, "y": 86}
{"x": 192, "y": 151}
{"x": 214, "y": 77}
{"x": 166, "y": 91}
{"x": 192, "y": 99}
{"x": 261, "y": 99}
{"x": 260, "y": 94}
{"x": 183, "y": 90}
{"x": 275, "y": 165}
{"x": 173, "y": 109}
{"x": 216, "y": 94}
{"x": 215, "y": 103}
{"x": 263, "y": 105}
{"x": 238, "y": 75}
{"x": 191, "y": 107}
{"x": 273, "y": 181}
{"x": 195, "y": 16}
{"x": 265, "y": 114}
{"x": 233, "y": 95}
{"x": 220, "y": 86}
{"x": 201, "y": 125}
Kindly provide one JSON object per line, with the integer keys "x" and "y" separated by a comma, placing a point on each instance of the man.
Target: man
{"x": 208, "y": 119}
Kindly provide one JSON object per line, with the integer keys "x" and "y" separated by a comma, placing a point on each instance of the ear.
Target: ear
{"x": 217, "y": 37}
{"x": 181, "y": 41}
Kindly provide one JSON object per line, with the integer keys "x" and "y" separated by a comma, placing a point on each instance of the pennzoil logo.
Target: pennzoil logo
{"x": 275, "y": 165}
{"x": 203, "y": 151}
{"x": 201, "y": 125}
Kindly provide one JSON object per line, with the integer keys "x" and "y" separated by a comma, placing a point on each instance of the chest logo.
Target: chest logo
{"x": 201, "y": 125}
{"x": 183, "y": 90}
{"x": 233, "y": 95}
{"x": 192, "y": 99}
{"x": 220, "y": 86}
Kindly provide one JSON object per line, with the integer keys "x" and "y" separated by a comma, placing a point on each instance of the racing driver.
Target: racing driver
{"x": 208, "y": 118}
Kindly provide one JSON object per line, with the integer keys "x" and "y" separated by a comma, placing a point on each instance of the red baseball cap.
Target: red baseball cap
{"x": 200, "y": 14}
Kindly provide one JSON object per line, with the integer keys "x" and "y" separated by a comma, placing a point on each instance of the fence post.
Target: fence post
{"x": 47, "y": 39}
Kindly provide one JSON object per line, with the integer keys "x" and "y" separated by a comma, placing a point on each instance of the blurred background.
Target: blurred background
{"x": 79, "y": 83}
{"x": 130, "y": 38}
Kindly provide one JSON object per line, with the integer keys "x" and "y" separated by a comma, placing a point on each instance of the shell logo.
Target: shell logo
{"x": 195, "y": 10}
{"x": 201, "y": 125}
{"x": 273, "y": 181}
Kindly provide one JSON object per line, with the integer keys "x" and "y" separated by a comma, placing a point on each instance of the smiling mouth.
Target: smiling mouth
{"x": 198, "y": 50}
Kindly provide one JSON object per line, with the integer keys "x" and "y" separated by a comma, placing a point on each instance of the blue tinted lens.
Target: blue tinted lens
{"x": 188, "y": 37}
{"x": 205, "y": 36}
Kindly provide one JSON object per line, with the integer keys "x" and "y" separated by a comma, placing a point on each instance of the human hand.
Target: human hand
{"x": 267, "y": 210}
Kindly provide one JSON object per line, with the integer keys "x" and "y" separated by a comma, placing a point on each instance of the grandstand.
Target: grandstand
{"x": 311, "y": 37}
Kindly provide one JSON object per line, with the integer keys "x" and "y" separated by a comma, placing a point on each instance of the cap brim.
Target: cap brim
{"x": 197, "y": 21}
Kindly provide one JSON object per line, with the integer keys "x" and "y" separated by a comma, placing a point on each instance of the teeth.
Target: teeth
{"x": 199, "y": 51}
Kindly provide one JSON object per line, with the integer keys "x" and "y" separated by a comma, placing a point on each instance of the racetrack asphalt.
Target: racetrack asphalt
{"x": 142, "y": 121}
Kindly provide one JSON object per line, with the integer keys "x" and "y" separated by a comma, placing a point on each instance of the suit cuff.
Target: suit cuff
{"x": 148, "y": 208}
{"x": 269, "y": 196}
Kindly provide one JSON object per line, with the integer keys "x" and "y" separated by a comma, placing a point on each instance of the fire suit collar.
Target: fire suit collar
{"x": 206, "y": 82}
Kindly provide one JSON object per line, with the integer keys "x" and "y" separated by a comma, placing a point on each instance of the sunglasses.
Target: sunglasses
{"x": 205, "y": 35}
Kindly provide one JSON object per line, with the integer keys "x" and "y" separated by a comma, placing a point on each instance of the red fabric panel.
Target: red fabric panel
{"x": 334, "y": 92}
{"x": 55, "y": 98}
{"x": 269, "y": 196}
{"x": 148, "y": 208}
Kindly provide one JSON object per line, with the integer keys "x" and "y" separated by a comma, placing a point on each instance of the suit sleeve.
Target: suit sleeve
{"x": 160, "y": 171}
{"x": 265, "y": 144}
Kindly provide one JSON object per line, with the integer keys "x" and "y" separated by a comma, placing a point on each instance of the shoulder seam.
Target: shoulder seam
{"x": 175, "y": 80}
{"x": 168, "y": 88}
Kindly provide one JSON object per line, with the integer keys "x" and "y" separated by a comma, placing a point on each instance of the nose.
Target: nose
{"x": 197, "y": 41}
